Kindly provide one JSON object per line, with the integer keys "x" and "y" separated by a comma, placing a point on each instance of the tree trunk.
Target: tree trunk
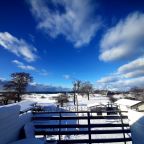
{"x": 61, "y": 104}
{"x": 18, "y": 97}
{"x": 5, "y": 101}
{"x": 74, "y": 98}
{"x": 77, "y": 102}
{"x": 77, "y": 106}
{"x": 88, "y": 96}
{"x": 15, "y": 100}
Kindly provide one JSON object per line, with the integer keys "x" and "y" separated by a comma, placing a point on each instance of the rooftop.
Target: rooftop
{"x": 127, "y": 102}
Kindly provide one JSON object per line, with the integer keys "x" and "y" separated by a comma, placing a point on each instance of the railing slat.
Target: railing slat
{"x": 46, "y": 132}
{"x": 48, "y": 112}
{"x": 43, "y": 125}
{"x": 93, "y": 141}
{"x": 76, "y": 117}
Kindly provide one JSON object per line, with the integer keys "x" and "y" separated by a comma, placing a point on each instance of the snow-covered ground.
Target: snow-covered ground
{"x": 82, "y": 100}
{"x": 94, "y": 99}
{"x": 41, "y": 98}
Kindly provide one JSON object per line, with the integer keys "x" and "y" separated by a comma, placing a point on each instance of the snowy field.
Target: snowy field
{"x": 48, "y": 101}
{"x": 82, "y": 100}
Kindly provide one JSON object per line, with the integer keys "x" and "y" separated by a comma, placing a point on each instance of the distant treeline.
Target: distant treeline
{"x": 46, "y": 92}
{"x": 50, "y": 92}
{"x": 56, "y": 92}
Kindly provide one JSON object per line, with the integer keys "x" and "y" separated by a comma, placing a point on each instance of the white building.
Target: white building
{"x": 126, "y": 104}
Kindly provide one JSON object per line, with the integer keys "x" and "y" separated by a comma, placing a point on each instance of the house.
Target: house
{"x": 126, "y": 104}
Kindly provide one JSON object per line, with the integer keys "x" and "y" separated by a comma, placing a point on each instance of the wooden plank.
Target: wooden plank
{"x": 93, "y": 141}
{"x": 43, "y": 125}
{"x": 89, "y": 128}
{"x": 44, "y": 132}
{"x": 47, "y": 112}
{"x": 60, "y": 128}
{"x": 76, "y": 117}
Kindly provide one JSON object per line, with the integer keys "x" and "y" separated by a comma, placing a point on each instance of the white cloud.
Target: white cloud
{"x": 129, "y": 83}
{"x": 23, "y": 66}
{"x": 132, "y": 69}
{"x": 127, "y": 76}
{"x": 109, "y": 79}
{"x": 17, "y": 46}
{"x": 133, "y": 74}
{"x": 43, "y": 72}
{"x": 122, "y": 84}
{"x": 137, "y": 64}
{"x": 2, "y": 79}
{"x": 67, "y": 77}
{"x": 73, "y": 19}
{"x": 125, "y": 39}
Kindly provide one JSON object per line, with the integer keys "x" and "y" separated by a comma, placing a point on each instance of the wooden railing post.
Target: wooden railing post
{"x": 60, "y": 124}
{"x": 89, "y": 127}
{"x": 122, "y": 126}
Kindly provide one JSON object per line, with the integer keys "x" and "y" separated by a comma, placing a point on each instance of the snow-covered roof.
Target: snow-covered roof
{"x": 96, "y": 104}
{"x": 46, "y": 104}
{"x": 127, "y": 102}
{"x": 26, "y": 105}
{"x": 9, "y": 123}
{"x": 92, "y": 104}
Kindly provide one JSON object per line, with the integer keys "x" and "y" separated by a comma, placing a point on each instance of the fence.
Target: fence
{"x": 62, "y": 126}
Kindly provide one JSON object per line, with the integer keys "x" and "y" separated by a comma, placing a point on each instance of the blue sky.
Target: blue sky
{"x": 57, "y": 42}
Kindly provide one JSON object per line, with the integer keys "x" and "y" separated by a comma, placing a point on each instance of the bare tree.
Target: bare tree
{"x": 62, "y": 99}
{"x": 76, "y": 89}
{"x": 18, "y": 83}
{"x": 86, "y": 88}
{"x": 112, "y": 99}
{"x": 138, "y": 93}
{"x": 9, "y": 96}
{"x": 136, "y": 90}
{"x": 78, "y": 83}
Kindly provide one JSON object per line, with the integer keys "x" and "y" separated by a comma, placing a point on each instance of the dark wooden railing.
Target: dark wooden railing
{"x": 42, "y": 126}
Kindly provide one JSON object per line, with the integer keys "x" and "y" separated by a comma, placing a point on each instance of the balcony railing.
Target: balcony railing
{"x": 70, "y": 123}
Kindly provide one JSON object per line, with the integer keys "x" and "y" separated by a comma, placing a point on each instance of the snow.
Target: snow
{"x": 127, "y": 102}
{"x": 26, "y": 105}
{"x": 9, "y": 123}
{"x": 28, "y": 141}
{"x": 92, "y": 105}
{"x": 41, "y": 98}
{"x": 94, "y": 100}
